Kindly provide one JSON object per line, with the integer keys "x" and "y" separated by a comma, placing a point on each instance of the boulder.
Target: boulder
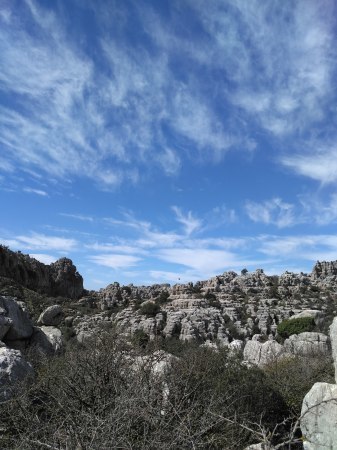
{"x": 18, "y": 319}
{"x": 13, "y": 369}
{"x": 307, "y": 344}
{"x": 47, "y": 340}
{"x": 318, "y": 417}
{"x": 5, "y": 324}
{"x": 52, "y": 316}
{"x": 259, "y": 353}
{"x": 333, "y": 339}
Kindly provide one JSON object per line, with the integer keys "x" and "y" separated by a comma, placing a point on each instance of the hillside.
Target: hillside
{"x": 232, "y": 356}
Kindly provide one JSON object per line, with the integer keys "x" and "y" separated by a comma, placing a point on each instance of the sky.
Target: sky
{"x": 167, "y": 141}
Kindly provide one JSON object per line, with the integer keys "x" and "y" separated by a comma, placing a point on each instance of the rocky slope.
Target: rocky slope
{"x": 216, "y": 311}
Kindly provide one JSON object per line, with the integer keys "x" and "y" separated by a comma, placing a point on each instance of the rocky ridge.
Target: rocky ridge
{"x": 218, "y": 310}
{"x": 59, "y": 278}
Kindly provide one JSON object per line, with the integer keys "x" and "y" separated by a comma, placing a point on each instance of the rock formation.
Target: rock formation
{"x": 319, "y": 409}
{"x": 13, "y": 368}
{"x": 59, "y": 278}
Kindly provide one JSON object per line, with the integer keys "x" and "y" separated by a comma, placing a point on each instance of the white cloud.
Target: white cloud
{"x": 203, "y": 261}
{"x": 78, "y": 217}
{"x": 307, "y": 247}
{"x": 115, "y": 261}
{"x": 320, "y": 165}
{"x": 37, "y": 241}
{"x": 36, "y": 191}
{"x": 189, "y": 222}
{"x": 272, "y": 212}
{"x": 170, "y": 161}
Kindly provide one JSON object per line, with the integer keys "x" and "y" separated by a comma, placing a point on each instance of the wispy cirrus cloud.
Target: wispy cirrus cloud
{"x": 39, "y": 192}
{"x": 38, "y": 241}
{"x": 189, "y": 222}
{"x": 319, "y": 164}
{"x": 115, "y": 261}
{"x": 272, "y": 212}
{"x": 322, "y": 247}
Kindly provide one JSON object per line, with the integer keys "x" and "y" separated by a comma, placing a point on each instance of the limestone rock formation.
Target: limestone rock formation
{"x": 65, "y": 280}
{"x": 324, "y": 269}
{"x": 333, "y": 338}
{"x": 319, "y": 413}
{"x": 319, "y": 409}
{"x": 59, "y": 278}
{"x": 307, "y": 344}
{"x": 262, "y": 353}
{"x": 13, "y": 368}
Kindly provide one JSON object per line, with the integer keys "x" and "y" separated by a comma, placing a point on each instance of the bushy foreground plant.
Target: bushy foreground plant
{"x": 295, "y": 326}
{"x": 97, "y": 397}
{"x": 294, "y": 377}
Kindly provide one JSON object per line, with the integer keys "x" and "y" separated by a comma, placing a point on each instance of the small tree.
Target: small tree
{"x": 295, "y": 326}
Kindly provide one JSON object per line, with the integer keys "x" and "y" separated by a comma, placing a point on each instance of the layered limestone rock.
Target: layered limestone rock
{"x": 262, "y": 353}
{"x": 324, "y": 269}
{"x": 319, "y": 416}
{"x": 307, "y": 344}
{"x": 319, "y": 409}
{"x": 59, "y": 278}
{"x": 333, "y": 338}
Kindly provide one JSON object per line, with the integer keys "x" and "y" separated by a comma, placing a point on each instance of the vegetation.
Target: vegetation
{"x": 149, "y": 309}
{"x": 96, "y": 397}
{"x": 295, "y": 326}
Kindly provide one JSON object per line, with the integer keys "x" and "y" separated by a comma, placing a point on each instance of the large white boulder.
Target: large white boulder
{"x": 307, "y": 344}
{"x": 262, "y": 353}
{"x": 51, "y": 316}
{"x": 333, "y": 339}
{"x": 13, "y": 368}
{"x": 319, "y": 417}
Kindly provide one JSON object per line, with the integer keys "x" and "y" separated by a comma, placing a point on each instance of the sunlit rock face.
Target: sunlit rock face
{"x": 319, "y": 409}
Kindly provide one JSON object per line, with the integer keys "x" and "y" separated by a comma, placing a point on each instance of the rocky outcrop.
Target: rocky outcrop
{"x": 333, "y": 338}
{"x": 13, "y": 368}
{"x": 319, "y": 412}
{"x": 47, "y": 340}
{"x": 319, "y": 409}
{"x": 307, "y": 344}
{"x": 262, "y": 353}
{"x": 59, "y": 278}
{"x": 15, "y": 320}
{"x": 65, "y": 280}
{"x": 324, "y": 269}
{"x": 51, "y": 316}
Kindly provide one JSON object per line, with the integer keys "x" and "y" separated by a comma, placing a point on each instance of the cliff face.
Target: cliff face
{"x": 59, "y": 278}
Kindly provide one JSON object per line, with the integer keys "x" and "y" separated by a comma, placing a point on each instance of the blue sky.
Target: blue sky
{"x": 169, "y": 140}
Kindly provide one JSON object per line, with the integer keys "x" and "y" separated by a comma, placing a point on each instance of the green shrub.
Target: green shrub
{"x": 295, "y": 326}
{"x": 163, "y": 297}
{"x": 149, "y": 309}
